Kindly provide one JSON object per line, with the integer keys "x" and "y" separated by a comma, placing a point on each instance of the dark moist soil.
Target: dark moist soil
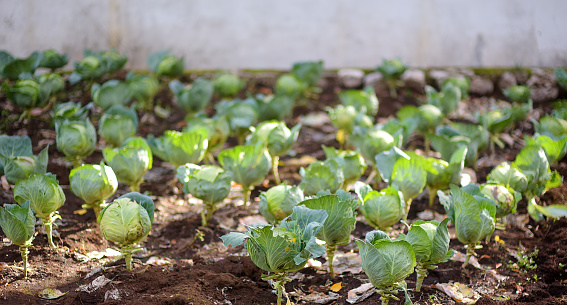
{"x": 194, "y": 271}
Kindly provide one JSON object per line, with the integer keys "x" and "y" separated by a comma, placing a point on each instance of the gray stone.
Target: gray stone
{"x": 543, "y": 85}
{"x": 376, "y": 80}
{"x": 350, "y": 78}
{"x": 481, "y": 85}
{"x": 414, "y": 80}
{"x": 507, "y": 80}
{"x": 439, "y": 76}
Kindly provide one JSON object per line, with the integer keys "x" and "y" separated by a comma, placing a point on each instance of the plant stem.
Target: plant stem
{"x": 275, "y": 161}
{"x": 246, "y": 190}
{"x": 330, "y": 256}
{"x": 24, "y": 253}
{"x": 470, "y": 253}
{"x": 136, "y": 186}
{"x": 128, "y": 259}
{"x": 207, "y": 213}
{"x": 47, "y": 225}
{"x": 408, "y": 206}
{"x": 421, "y": 274}
{"x": 432, "y": 195}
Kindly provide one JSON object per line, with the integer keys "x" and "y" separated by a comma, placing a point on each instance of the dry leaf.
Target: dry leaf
{"x": 337, "y": 287}
{"x": 51, "y": 294}
{"x": 458, "y": 292}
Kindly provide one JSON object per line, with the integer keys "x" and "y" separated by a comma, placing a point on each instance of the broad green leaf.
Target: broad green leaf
{"x": 18, "y": 223}
{"x": 43, "y": 192}
{"x": 14, "y": 146}
{"x": 145, "y": 201}
{"x": 386, "y": 160}
{"x": 508, "y": 176}
{"x": 409, "y": 176}
{"x": 124, "y": 222}
{"x": 249, "y": 164}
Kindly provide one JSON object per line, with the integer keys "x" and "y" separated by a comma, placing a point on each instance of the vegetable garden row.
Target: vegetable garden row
{"x": 236, "y": 133}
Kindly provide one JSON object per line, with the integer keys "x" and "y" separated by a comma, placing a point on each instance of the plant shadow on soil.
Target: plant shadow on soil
{"x": 203, "y": 272}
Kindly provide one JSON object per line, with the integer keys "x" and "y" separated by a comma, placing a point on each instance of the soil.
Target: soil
{"x": 194, "y": 271}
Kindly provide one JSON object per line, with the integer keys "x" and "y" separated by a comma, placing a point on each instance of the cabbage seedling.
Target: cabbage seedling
{"x": 321, "y": 176}
{"x": 448, "y": 139}
{"x": 211, "y": 184}
{"x": 17, "y": 159}
{"x": 94, "y": 184}
{"x": 506, "y": 199}
{"x": 127, "y": 221}
{"x": 461, "y": 82}
{"x": 387, "y": 263}
{"x": 381, "y": 209}
{"x": 351, "y": 162}
{"x": 447, "y": 100}
{"x": 372, "y": 143}
{"x": 554, "y": 148}
{"x": 95, "y": 65}
{"x": 163, "y": 64}
{"x": 409, "y": 177}
{"x": 345, "y": 119}
{"x": 52, "y": 60}
{"x": 45, "y": 196}
{"x": 284, "y": 248}
{"x": 274, "y": 107}
{"x": 18, "y": 223}
{"x": 76, "y": 139}
{"x": 143, "y": 89}
{"x": 430, "y": 242}
{"x": 70, "y": 111}
{"x": 290, "y": 85}
{"x": 392, "y": 71}
{"x": 277, "y": 202}
{"x": 112, "y": 92}
{"x": 472, "y": 213}
{"x": 277, "y": 138}
{"x": 24, "y": 94}
{"x": 496, "y": 122}
{"x": 341, "y": 220}
{"x": 442, "y": 173}
{"x": 49, "y": 85}
{"x": 249, "y": 165}
{"x": 362, "y": 100}
{"x": 218, "y": 132}
{"x": 228, "y": 85}
{"x": 240, "y": 116}
{"x": 194, "y": 98}
{"x": 179, "y": 148}
{"x": 551, "y": 126}
{"x": 117, "y": 124}
{"x": 130, "y": 162}
{"x": 309, "y": 72}
{"x": 18, "y": 68}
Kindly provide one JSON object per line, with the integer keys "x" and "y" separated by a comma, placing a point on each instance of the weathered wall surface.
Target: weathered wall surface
{"x": 272, "y": 34}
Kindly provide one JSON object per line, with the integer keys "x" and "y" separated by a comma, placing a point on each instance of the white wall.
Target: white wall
{"x": 264, "y": 34}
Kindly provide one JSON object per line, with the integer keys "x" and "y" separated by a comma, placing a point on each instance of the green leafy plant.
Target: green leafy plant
{"x": 561, "y": 76}
{"x": 130, "y": 162}
{"x": 447, "y": 100}
{"x": 309, "y": 72}
{"x": 447, "y": 139}
{"x": 53, "y": 60}
{"x": 321, "y": 176}
{"x": 442, "y": 173}
{"x": 70, "y": 111}
{"x": 17, "y": 160}
{"x": 381, "y": 209}
{"x": 277, "y": 138}
{"x": 75, "y": 139}
{"x": 117, "y": 124}
{"x": 45, "y": 196}
{"x": 249, "y": 165}
{"x": 461, "y": 82}
{"x": 211, "y": 184}
{"x": 392, "y": 70}
{"x": 274, "y": 107}
{"x": 284, "y": 248}
{"x": 112, "y": 92}
{"x": 371, "y": 143}
{"x": 341, "y": 220}
{"x": 505, "y": 198}
{"x": 93, "y": 184}
{"x": 345, "y": 119}
{"x": 18, "y": 68}
{"x": 179, "y": 148}
{"x": 277, "y": 202}
{"x": 228, "y": 85}
{"x": 194, "y": 98}
{"x": 387, "y": 263}
{"x": 409, "y": 176}
{"x": 290, "y": 85}
{"x": 163, "y": 64}
{"x": 143, "y": 88}
{"x": 218, "y": 132}
{"x": 18, "y": 223}
{"x": 430, "y": 242}
{"x": 126, "y": 221}
{"x": 554, "y": 148}
{"x": 351, "y": 162}
{"x": 472, "y": 213}
{"x": 241, "y": 115}
{"x": 95, "y": 65}
{"x": 25, "y": 94}
{"x": 496, "y": 122}
{"x": 362, "y": 100}
{"x": 551, "y": 126}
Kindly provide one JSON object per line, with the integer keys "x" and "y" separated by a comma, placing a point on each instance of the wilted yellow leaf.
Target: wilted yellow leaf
{"x": 80, "y": 212}
{"x": 336, "y": 287}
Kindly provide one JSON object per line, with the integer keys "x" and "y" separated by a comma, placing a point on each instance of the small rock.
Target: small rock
{"x": 439, "y": 76}
{"x": 376, "y": 81}
{"x": 481, "y": 86}
{"x": 507, "y": 80}
{"x": 414, "y": 80}
{"x": 350, "y": 78}
{"x": 543, "y": 85}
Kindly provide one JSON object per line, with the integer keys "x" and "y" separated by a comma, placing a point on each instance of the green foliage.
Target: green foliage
{"x": 130, "y": 162}
{"x": 448, "y": 139}
{"x": 409, "y": 177}
{"x": 228, "y": 85}
{"x": 18, "y": 68}
{"x": 351, "y": 162}
{"x": 93, "y": 184}
{"x": 554, "y": 148}
{"x": 24, "y": 93}
{"x": 321, "y": 176}
{"x": 217, "y": 126}
{"x": 274, "y": 107}
{"x": 194, "y": 98}
{"x": 18, "y": 160}
{"x": 179, "y": 148}
{"x": 381, "y": 209}
{"x": 51, "y": 59}
{"x": 241, "y": 115}
{"x": 345, "y": 118}
{"x": 117, "y": 124}
{"x": 143, "y": 88}
{"x": 14, "y": 146}
{"x": 95, "y": 65}
{"x": 18, "y": 223}
{"x": 163, "y": 64}
{"x": 277, "y": 202}
{"x": 442, "y": 174}
{"x": 112, "y": 92}
{"x": 309, "y": 72}
{"x": 392, "y": 68}
{"x": 463, "y": 83}
{"x": 362, "y": 100}
{"x": 505, "y": 198}
{"x": 518, "y": 94}
{"x": 70, "y": 111}
{"x": 561, "y": 76}
{"x": 447, "y": 100}
{"x": 372, "y": 143}
{"x": 276, "y": 137}
{"x": 551, "y": 126}
{"x": 75, "y": 139}
{"x": 290, "y": 85}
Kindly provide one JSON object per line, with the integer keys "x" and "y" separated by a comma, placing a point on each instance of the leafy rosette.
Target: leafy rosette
{"x": 321, "y": 176}
{"x": 130, "y": 162}
{"x": 249, "y": 165}
{"x": 443, "y": 173}
{"x": 409, "y": 177}
{"x": 70, "y": 111}
{"x": 372, "y": 143}
{"x": 241, "y": 115}
{"x": 518, "y": 94}
{"x": 93, "y": 184}
{"x": 341, "y": 220}
{"x": 447, "y": 100}
{"x": 447, "y": 139}
{"x": 194, "y": 98}
{"x": 127, "y": 221}
{"x": 46, "y": 197}
{"x": 17, "y": 160}
{"x": 309, "y": 72}
{"x": 143, "y": 89}
{"x": 112, "y": 92}
{"x": 381, "y": 209}
{"x": 351, "y": 162}
{"x": 290, "y": 85}
{"x": 509, "y": 176}
{"x": 430, "y": 242}
{"x": 387, "y": 263}
{"x": 346, "y": 119}
{"x": 551, "y": 126}
{"x": 164, "y": 64}
{"x": 25, "y": 93}
{"x": 554, "y": 148}
{"x": 18, "y": 68}
{"x": 228, "y": 85}
{"x": 472, "y": 213}
{"x": 76, "y": 139}
{"x": 18, "y": 223}
{"x": 506, "y": 199}
{"x": 274, "y": 107}
{"x": 362, "y": 100}
{"x": 51, "y": 59}
{"x": 117, "y": 124}
{"x": 218, "y": 130}
{"x": 277, "y": 202}
{"x": 179, "y": 148}
{"x": 211, "y": 184}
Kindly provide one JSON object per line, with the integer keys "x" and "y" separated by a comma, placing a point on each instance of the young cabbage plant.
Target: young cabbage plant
{"x": 25, "y": 94}
{"x": 143, "y": 88}
{"x": 209, "y": 183}
{"x": 447, "y": 100}
{"x": 249, "y": 165}
{"x": 228, "y": 85}
{"x": 309, "y": 72}
{"x": 381, "y": 209}
{"x": 554, "y": 148}
{"x": 277, "y": 138}
{"x": 409, "y": 177}
{"x": 341, "y": 220}
{"x": 45, "y": 197}
{"x": 76, "y": 140}
{"x": 506, "y": 198}
{"x": 277, "y": 202}
{"x": 430, "y": 242}
{"x": 127, "y": 221}
{"x": 95, "y": 65}
{"x": 345, "y": 119}
{"x": 461, "y": 82}
{"x": 351, "y": 162}
{"x": 130, "y": 162}
{"x": 290, "y": 85}
{"x": 93, "y": 184}
{"x": 284, "y": 248}
{"x": 179, "y": 148}
{"x": 17, "y": 160}
{"x": 321, "y": 176}
{"x": 274, "y": 107}
{"x": 241, "y": 115}
{"x": 444, "y": 173}
{"x": 370, "y": 144}
{"x": 447, "y": 139}
{"x": 427, "y": 116}
{"x": 387, "y": 263}
{"x": 117, "y": 124}
{"x": 18, "y": 68}
{"x": 362, "y": 100}
{"x": 49, "y": 85}
{"x": 401, "y": 130}
{"x": 551, "y": 126}
{"x": 112, "y": 92}
{"x": 53, "y": 60}
{"x": 495, "y": 122}
{"x": 561, "y": 77}
{"x": 392, "y": 71}
{"x": 195, "y": 97}
{"x": 70, "y": 111}
{"x": 218, "y": 131}
{"x": 472, "y": 213}
{"x": 18, "y": 223}
{"x": 163, "y": 64}
{"x": 522, "y": 103}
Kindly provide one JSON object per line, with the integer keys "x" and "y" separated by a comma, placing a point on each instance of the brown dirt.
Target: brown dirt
{"x": 207, "y": 273}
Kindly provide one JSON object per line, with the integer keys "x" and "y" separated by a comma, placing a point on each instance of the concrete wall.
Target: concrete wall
{"x": 265, "y": 34}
